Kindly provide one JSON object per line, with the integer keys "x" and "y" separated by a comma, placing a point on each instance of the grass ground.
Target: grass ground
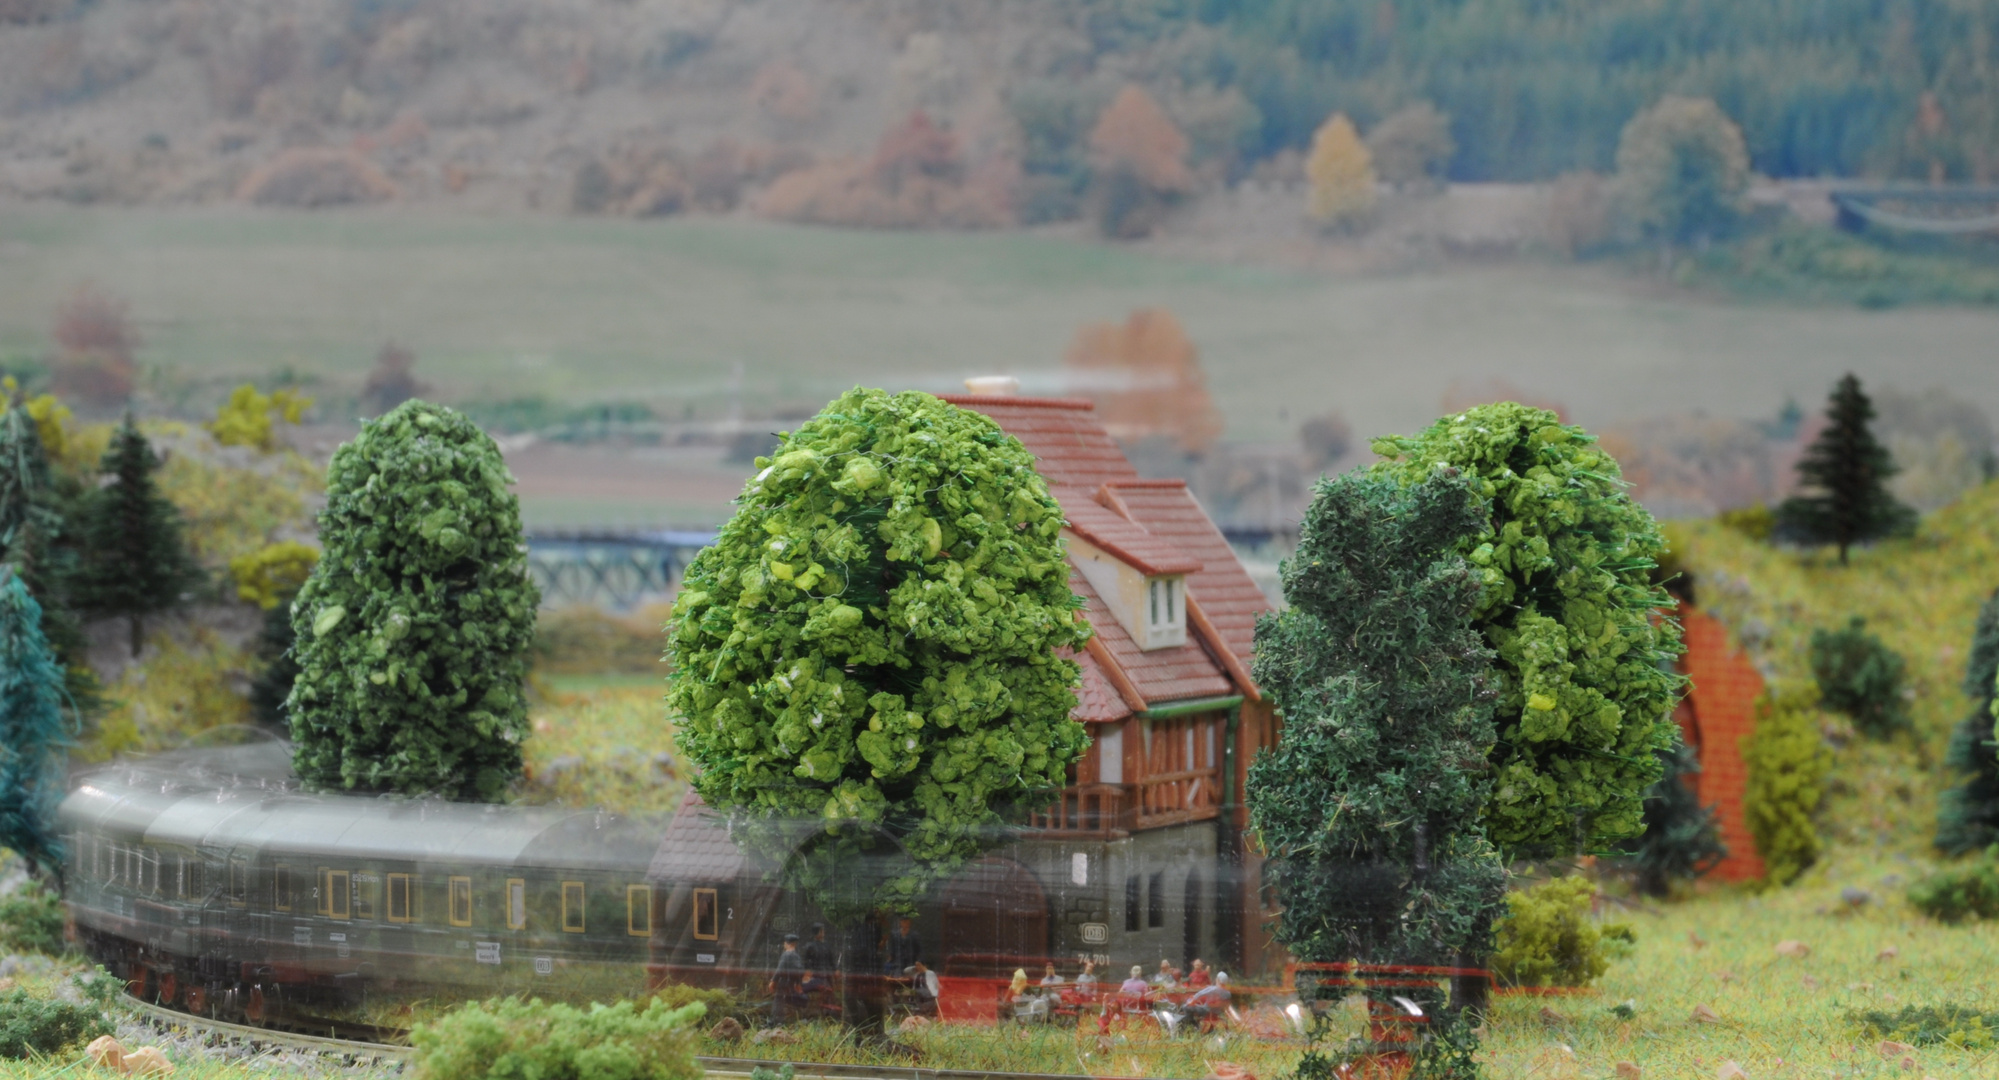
{"x": 664, "y": 311}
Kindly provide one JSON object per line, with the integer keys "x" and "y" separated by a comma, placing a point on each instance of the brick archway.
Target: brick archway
{"x": 1719, "y": 710}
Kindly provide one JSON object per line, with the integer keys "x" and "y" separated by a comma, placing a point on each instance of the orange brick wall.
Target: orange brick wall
{"x": 1719, "y": 710}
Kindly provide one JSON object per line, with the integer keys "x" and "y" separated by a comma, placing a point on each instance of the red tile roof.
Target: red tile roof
{"x": 1121, "y": 537}
{"x": 1162, "y": 676}
{"x": 696, "y": 847}
{"x": 1222, "y": 587}
{"x": 1070, "y": 446}
{"x": 1097, "y": 701}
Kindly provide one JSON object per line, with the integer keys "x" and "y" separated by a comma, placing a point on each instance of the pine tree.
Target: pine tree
{"x": 135, "y": 562}
{"x": 33, "y": 731}
{"x": 1369, "y": 805}
{"x": 413, "y": 630}
{"x": 1968, "y": 814}
{"x": 1681, "y": 839}
{"x": 37, "y": 538}
{"x": 1845, "y": 474}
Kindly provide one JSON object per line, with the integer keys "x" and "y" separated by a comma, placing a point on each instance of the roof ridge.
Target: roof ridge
{"x": 1148, "y": 482}
{"x": 973, "y": 401}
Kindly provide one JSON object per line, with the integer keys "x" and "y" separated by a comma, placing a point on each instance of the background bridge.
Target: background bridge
{"x": 1960, "y": 209}
{"x": 618, "y": 570}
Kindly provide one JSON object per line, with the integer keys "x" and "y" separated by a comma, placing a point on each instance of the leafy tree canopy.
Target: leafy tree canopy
{"x": 1683, "y": 170}
{"x": 413, "y": 629}
{"x": 1570, "y": 611}
{"x": 870, "y": 643}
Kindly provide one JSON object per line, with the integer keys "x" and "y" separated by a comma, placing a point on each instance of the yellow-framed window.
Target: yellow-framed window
{"x": 399, "y": 898}
{"x": 461, "y": 901}
{"x": 283, "y": 891}
{"x": 517, "y": 904}
{"x": 707, "y": 915}
{"x": 339, "y": 894}
{"x": 572, "y": 907}
{"x": 638, "y": 910}
{"x": 239, "y": 882}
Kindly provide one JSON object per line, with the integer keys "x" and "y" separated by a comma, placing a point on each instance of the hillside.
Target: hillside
{"x": 660, "y": 106}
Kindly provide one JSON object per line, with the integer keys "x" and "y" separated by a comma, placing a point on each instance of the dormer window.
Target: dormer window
{"x": 1166, "y": 615}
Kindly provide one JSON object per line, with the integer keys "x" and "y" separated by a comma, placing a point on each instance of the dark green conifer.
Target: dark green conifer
{"x": 1968, "y": 814}
{"x": 37, "y": 507}
{"x": 273, "y": 684}
{"x": 1369, "y": 805}
{"x": 33, "y": 730}
{"x": 1845, "y": 475}
{"x": 1681, "y": 840}
{"x": 134, "y": 562}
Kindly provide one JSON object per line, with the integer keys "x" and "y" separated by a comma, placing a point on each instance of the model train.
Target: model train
{"x": 211, "y": 883}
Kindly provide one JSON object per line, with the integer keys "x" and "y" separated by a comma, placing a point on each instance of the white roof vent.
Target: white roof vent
{"x": 993, "y": 385}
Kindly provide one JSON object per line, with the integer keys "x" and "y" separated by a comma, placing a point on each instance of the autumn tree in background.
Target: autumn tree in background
{"x": 94, "y": 346}
{"x": 1138, "y": 165}
{"x": 1341, "y": 173}
{"x": 1412, "y": 145}
{"x": 135, "y": 561}
{"x": 1145, "y": 376}
{"x": 1682, "y": 171}
{"x": 1845, "y": 474}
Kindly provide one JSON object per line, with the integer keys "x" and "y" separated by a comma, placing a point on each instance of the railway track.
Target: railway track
{"x": 357, "y": 1051}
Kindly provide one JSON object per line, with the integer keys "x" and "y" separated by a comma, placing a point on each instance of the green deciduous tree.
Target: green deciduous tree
{"x": 34, "y": 734}
{"x": 1786, "y": 764}
{"x": 1845, "y": 475}
{"x": 1369, "y": 804}
{"x": 1569, "y": 609}
{"x": 1682, "y": 170}
{"x": 869, "y": 646}
{"x": 133, "y": 560}
{"x": 413, "y": 630}
{"x": 1412, "y": 145}
{"x": 1968, "y": 814}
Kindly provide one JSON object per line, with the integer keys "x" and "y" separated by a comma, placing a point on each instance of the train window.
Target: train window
{"x": 1155, "y": 901}
{"x": 399, "y": 898}
{"x": 572, "y": 907}
{"x": 707, "y": 915}
{"x": 517, "y": 904}
{"x": 149, "y": 871}
{"x": 461, "y": 901}
{"x": 363, "y": 892}
{"x": 239, "y": 882}
{"x": 638, "y": 910}
{"x": 284, "y": 893}
{"x": 339, "y": 894}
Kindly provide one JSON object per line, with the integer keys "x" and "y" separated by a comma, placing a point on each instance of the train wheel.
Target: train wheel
{"x": 195, "y": 999}
{"x": 256, "y": 1011}
{"x": 230, "y": 1005}
{"x": 140, "y": 983}
{"x": 169, "y": 988}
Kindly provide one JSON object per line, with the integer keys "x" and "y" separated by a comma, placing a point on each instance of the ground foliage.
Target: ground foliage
{"x": 31, "y": 920}
{"x": 35, "y": 730}
{"x": 34, "y": 1025}
{"x": 515, "y": 1039}
{"x": 1547, "y": 937}
{"x": 1787, "y": 765}
{"x": 249, "y": 417}
{"x": 413, "y": 630}
{"x": 1860, "y": 676}
{"x": 871, "y": 641}
{"x": 1968, "y": 813}
{"x": 1368, "y": 806}
{"x": 1681, "y": 839}
{"x": 1968, "y": 890}
{"x": 1845, "y": 475}
{"x": 1568, "y": 606}
{"x": 1949, "y": 1024}
{"x": 135, "y": 561}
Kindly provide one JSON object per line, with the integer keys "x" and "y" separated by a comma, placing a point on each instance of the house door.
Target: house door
{"x": 995, "y": 919}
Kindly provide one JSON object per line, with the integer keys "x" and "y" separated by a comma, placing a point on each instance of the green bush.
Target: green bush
{"x": 1546, "y": 937}
{"x": 1859, "y": 676}
{"x": 1956, "y": 893}
{"x": 1787, "y": 765}
{"x": 512, "y": 1039}
{"x": 31, "y": 920}
{"x": 716, "y": 1002}
{"x": 1757, "y": 521}
{"x": 1932, "y": 1025}
{"x": 414, "y": 628}
{"x": 31, "y": 1025}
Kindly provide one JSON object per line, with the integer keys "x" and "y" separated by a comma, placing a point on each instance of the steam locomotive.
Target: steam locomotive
{"x": 211, "y": 883}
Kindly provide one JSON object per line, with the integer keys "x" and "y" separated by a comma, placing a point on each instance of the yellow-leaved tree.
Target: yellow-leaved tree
{"x": 1341, "y": 171}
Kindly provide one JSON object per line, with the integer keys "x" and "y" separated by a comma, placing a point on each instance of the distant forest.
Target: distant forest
{"x": 1536, "y": 88}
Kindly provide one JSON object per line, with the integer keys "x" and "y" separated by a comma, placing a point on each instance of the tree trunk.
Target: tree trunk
{"x": 138, "y": 633}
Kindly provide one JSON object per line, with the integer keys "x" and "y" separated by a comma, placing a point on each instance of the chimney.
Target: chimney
{"x": 993, "y": 385}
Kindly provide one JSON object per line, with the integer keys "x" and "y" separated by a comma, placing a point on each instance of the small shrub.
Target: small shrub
{"x": 512, "y": 1039}
{"x": 1859, "y": 676}
{"x": 38, "y": 1026}
{"x": 1757, "y": 521}
{"x": 246, "y": 419}
{"x": 31, "y": 920}
{"x": 1931, "y": 1025}
{"x": 272, "y": 573}
{"x": 1546, "y": 937}
{"x": 313, "y": 176}
{"x": 1956, "y": 893}
{"x": 1787, "y": 765}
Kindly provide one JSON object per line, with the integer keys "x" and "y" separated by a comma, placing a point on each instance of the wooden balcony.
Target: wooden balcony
{"x": 1113, "y": 810}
